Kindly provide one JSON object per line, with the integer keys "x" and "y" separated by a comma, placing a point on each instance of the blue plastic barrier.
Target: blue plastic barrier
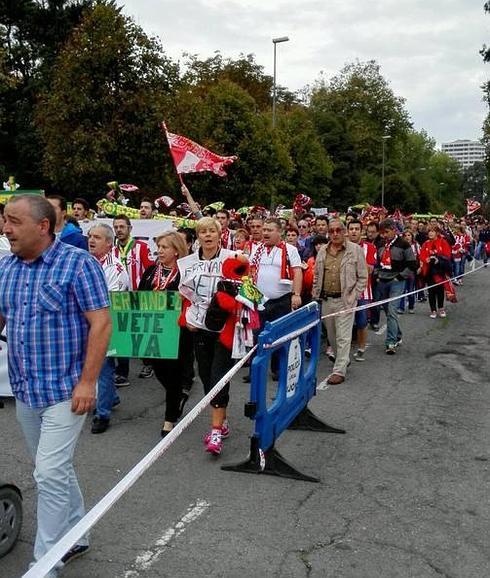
{"x": 287, "y": 338}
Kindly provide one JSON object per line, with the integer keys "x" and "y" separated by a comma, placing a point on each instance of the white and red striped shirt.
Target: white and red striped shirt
{"x": 370, "y": 255}
{"x": 136, "y": 258}
{"x": 461, "y": 245}
{"x": 227, "y": 237}
{"x": 250, "y": 246}
{"x": 115, "y": 273}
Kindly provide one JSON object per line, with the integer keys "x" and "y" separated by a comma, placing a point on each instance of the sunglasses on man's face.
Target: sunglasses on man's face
{"x": 302, "y": 226}
{"x": 335, "y": 231}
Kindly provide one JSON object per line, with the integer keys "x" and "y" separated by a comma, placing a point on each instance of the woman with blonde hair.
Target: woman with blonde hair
{"x": 164, "y": 276}
{"x": 199, "y": 276}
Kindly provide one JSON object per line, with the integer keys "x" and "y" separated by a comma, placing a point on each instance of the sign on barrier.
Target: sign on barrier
{"x": 296, "y": 386}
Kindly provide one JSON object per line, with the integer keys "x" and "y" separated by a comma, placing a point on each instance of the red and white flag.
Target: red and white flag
{"x": 472, "y": 206}
{"x": 190, "y": 157}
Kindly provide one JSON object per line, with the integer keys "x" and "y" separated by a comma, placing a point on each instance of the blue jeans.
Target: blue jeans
{"x": 409, "y": 286}
{"x": 458, "y": 266}
{"x": 480, "y": 252}
{"x": 388, "y": 290}
{"x": 106, "y": 389}
{"x": 51, "y": 434}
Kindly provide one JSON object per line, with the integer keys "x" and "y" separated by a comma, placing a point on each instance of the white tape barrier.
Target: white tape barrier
{"x": 51, "y": 558}
{"x": 292, "y": 335}
{"x": 372, "y": 304}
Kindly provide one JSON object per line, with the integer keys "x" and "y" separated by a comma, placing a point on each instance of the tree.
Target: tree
{"x": 312, "y": 166}
{"x": 224, "y": 118}
{"x": 243, "y": 71}
{"x": 446, "y": 178}
{"x": 31, "y": 34}
{"x": 474, "y": 182}
{"x": 99, "y": 120}
{"x": 344, "y": 180}
{"x": 361, "y": 95}
{"x": 352, "y": 112}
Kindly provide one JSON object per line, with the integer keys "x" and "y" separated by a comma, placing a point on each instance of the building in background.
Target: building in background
{"x": 465, "y": 152}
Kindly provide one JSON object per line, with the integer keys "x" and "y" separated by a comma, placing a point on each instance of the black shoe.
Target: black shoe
{"x": 246, "y": 379}
{"x": 164, "y": 432}
{"x": 116, "y": 403}
{"x": 100, "y": 424}
{"x": 120, "y": 381}
{"x": 74, "y": 553}
{"x": 146, "y": 372}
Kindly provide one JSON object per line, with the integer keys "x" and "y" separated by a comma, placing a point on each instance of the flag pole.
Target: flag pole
{"x": 164, "y": 129}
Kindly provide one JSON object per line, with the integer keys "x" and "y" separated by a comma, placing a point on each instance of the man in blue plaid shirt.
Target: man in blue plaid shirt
{"x": 55, "y": 304}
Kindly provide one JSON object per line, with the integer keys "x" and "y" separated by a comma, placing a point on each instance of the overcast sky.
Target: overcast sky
{"x": 428, "y": 49}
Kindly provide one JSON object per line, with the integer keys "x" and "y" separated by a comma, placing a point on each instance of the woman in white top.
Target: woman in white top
{"x": 199, "y": 276}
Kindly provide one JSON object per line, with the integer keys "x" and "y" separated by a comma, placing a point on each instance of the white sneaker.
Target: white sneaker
{"x": 359, "y": 355}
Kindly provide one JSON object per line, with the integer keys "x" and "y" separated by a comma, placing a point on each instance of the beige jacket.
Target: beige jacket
{"x": 353, "y": 273}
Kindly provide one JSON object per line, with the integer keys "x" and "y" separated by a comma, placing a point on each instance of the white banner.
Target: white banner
{"x": 143, "y": 229}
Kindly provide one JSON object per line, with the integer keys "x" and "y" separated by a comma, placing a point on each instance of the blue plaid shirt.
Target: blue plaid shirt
{"x": 43, "y": 303}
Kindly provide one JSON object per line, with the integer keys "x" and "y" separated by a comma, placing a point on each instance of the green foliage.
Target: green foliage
{"x": 475, "y": 182}
{"x": 31, "y": 34}
{"x": 312, "y": 165}
{"x": 100, "y": 118}
{"x": 361, "y": 96}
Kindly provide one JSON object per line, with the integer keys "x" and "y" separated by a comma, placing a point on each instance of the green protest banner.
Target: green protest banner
{"x": 144, "y": 324}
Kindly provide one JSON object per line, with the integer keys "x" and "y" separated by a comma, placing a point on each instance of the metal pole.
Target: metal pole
{"x": 275, "y": 41}
{"x": 274, "y": 91}
{"x": 385, "y": 137}
{"x": 383, "y": 176}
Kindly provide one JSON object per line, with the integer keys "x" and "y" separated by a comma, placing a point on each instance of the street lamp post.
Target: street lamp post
{"x": 275, "y": 41}
{"x": 384, "y": 139}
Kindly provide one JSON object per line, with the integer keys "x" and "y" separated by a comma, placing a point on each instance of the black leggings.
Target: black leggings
{"x": 436, "y": 294}
{"x": 170, "y": 373}
{"x": 213, "y": 361}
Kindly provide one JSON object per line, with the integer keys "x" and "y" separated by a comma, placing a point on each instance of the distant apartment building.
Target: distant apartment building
{"x": 466, "y": 152}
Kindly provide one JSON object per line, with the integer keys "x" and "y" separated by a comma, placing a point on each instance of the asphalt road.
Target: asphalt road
{"x": 403, "y": 494}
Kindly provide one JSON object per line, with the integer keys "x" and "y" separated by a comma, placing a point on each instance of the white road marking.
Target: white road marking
{"x": 381, "y": 330}
{"x": 149, "y": 557}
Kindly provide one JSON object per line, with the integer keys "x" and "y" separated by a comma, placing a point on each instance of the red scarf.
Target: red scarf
{"x": 162, "y": 281}
{"x": 285, "y": 266}
{"x": 225, "y": 237}
{"x": 385, "y": 260}
{"x": 437, "y": 246}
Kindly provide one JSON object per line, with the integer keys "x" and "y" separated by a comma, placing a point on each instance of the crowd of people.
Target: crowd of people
{"x": 234, "y": 271}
